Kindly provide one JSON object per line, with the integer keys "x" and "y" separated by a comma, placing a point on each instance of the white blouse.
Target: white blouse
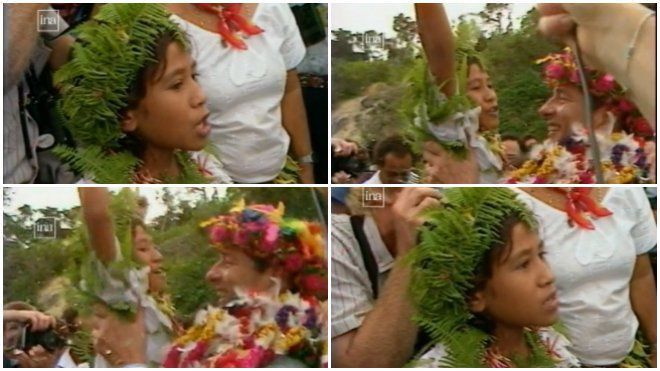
{"x": 244, "y": 90}
{"x": 593, "y": 269}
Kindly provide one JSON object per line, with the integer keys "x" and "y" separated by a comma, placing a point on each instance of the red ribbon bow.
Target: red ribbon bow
{"x": 230, "y": 21}
{"x": 578, "y": 202}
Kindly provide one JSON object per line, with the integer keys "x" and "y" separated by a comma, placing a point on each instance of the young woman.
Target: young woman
{"x": 124, "y": 271}
{"x": 272, "y": 283}
{"x": 482, "y": 288}
{"x": 449, "y": 128}
{"x": 246, "y": 55}
{"x": 597, "y": 242}
{"x": 132, "y": 102}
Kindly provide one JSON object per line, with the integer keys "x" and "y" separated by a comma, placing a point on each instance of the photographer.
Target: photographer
{"x": 348, "y": 162}
{"x": 30, "y": 341}
{"x": 27, "y": 53}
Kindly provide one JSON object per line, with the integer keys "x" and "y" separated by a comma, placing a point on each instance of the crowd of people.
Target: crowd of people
{"x": 195, "y": 93}
{"x": 494, "y": 277}
{"x": 599, "y": 111}
{"x": 270, "y": 279}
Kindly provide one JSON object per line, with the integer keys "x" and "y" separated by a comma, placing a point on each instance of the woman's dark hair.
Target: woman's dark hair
{"x": 474, "y": 60}
{"x": 151, "y": 72}
{"x": 497, "y": 254}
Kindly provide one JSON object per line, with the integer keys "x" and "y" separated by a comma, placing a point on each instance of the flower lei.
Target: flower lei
{"x": 569, "y": 162}
{"x": 191, "y": 172}
{"x": 251, "y": 331}
{"x": 561, "y": 69}
{"x": 263, "y": 232}
{"x": 543, "y": 354}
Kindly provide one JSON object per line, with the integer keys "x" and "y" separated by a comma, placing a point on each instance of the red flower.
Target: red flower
{"x": 172, "y": 358}
{"x": 640, "y": 127}
{"x": 554, "y": 71}
{"x": 626, "y": 106}
{"x": 219, "y": 234}
{"x": 196, "y": 354}
{"x": 293, "y": 263}
{"x": 313, "y": 284}
{"x": 604, "y": 83}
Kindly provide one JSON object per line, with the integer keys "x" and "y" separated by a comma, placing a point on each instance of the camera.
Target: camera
{"x": 48, "y": 339}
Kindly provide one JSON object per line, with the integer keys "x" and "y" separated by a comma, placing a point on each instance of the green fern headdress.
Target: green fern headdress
{"x": 425, "y": 103}
{"x": 111, "y": 50}
{"x": 453, "y": 244}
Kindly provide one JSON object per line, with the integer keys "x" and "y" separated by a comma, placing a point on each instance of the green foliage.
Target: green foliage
{"x": 424, "y": 104}
{"x": 187, "y": 254}
{"x": 517, "y": 80}
{"x": 508, "y": 55}
{"x": 350, "y": 78}
{"x": 103, "y": 167}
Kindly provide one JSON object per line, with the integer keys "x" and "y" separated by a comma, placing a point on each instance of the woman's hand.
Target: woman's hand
{"x": 120, "y": 342}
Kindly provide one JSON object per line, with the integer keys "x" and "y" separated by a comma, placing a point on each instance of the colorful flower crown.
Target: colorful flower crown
{"x": 263, "y": 232}
{"x": 560, "y": 69}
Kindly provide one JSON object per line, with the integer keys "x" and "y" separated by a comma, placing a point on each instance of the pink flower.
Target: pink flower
{"x": 554, "y": 71}
{"x": 604, "y": 83}
{"x": 256, "y": 357}
{"x": 252, "y": 226}
{"x": 574, "y": 77}
{"x": 270, "y": 237}
{"x": 219, "y": 234}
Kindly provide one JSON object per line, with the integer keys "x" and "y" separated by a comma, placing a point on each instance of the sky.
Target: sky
{"x": 364, "y": 17}
{"x": 67, "y": 197}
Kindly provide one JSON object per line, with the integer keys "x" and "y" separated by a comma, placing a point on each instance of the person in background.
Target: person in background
{"x": 394, "y": 159}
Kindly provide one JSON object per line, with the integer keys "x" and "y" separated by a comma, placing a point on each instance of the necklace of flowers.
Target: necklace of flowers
{"x": 251, "y": 331}
{"x": 230, "y": 22}
{"x": 542, "y": 354}
{"x": 192, "y": 172}
{"x": 623, "y": 161}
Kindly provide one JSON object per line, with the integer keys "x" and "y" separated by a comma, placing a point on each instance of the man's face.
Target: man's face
{"x": 395, "y": 169}
{"x": 521, "y": 291}
{"x": 561, "y": 111}
{"x": 235, "y": 269}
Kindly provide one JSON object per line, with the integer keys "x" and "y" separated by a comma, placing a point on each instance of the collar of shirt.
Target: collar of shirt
{"x": 66, "y": 361}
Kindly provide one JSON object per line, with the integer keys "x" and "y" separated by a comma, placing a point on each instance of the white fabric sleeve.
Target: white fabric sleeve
{"x": 644, "y": 231}
{"x": 292, "y": 48}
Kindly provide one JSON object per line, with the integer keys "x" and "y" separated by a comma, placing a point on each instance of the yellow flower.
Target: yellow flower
{"x": 290, "y": 339}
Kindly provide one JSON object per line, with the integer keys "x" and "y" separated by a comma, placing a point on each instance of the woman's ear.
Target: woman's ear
{"x": 477, "y": 302}
{"x": 129, "y": 122}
